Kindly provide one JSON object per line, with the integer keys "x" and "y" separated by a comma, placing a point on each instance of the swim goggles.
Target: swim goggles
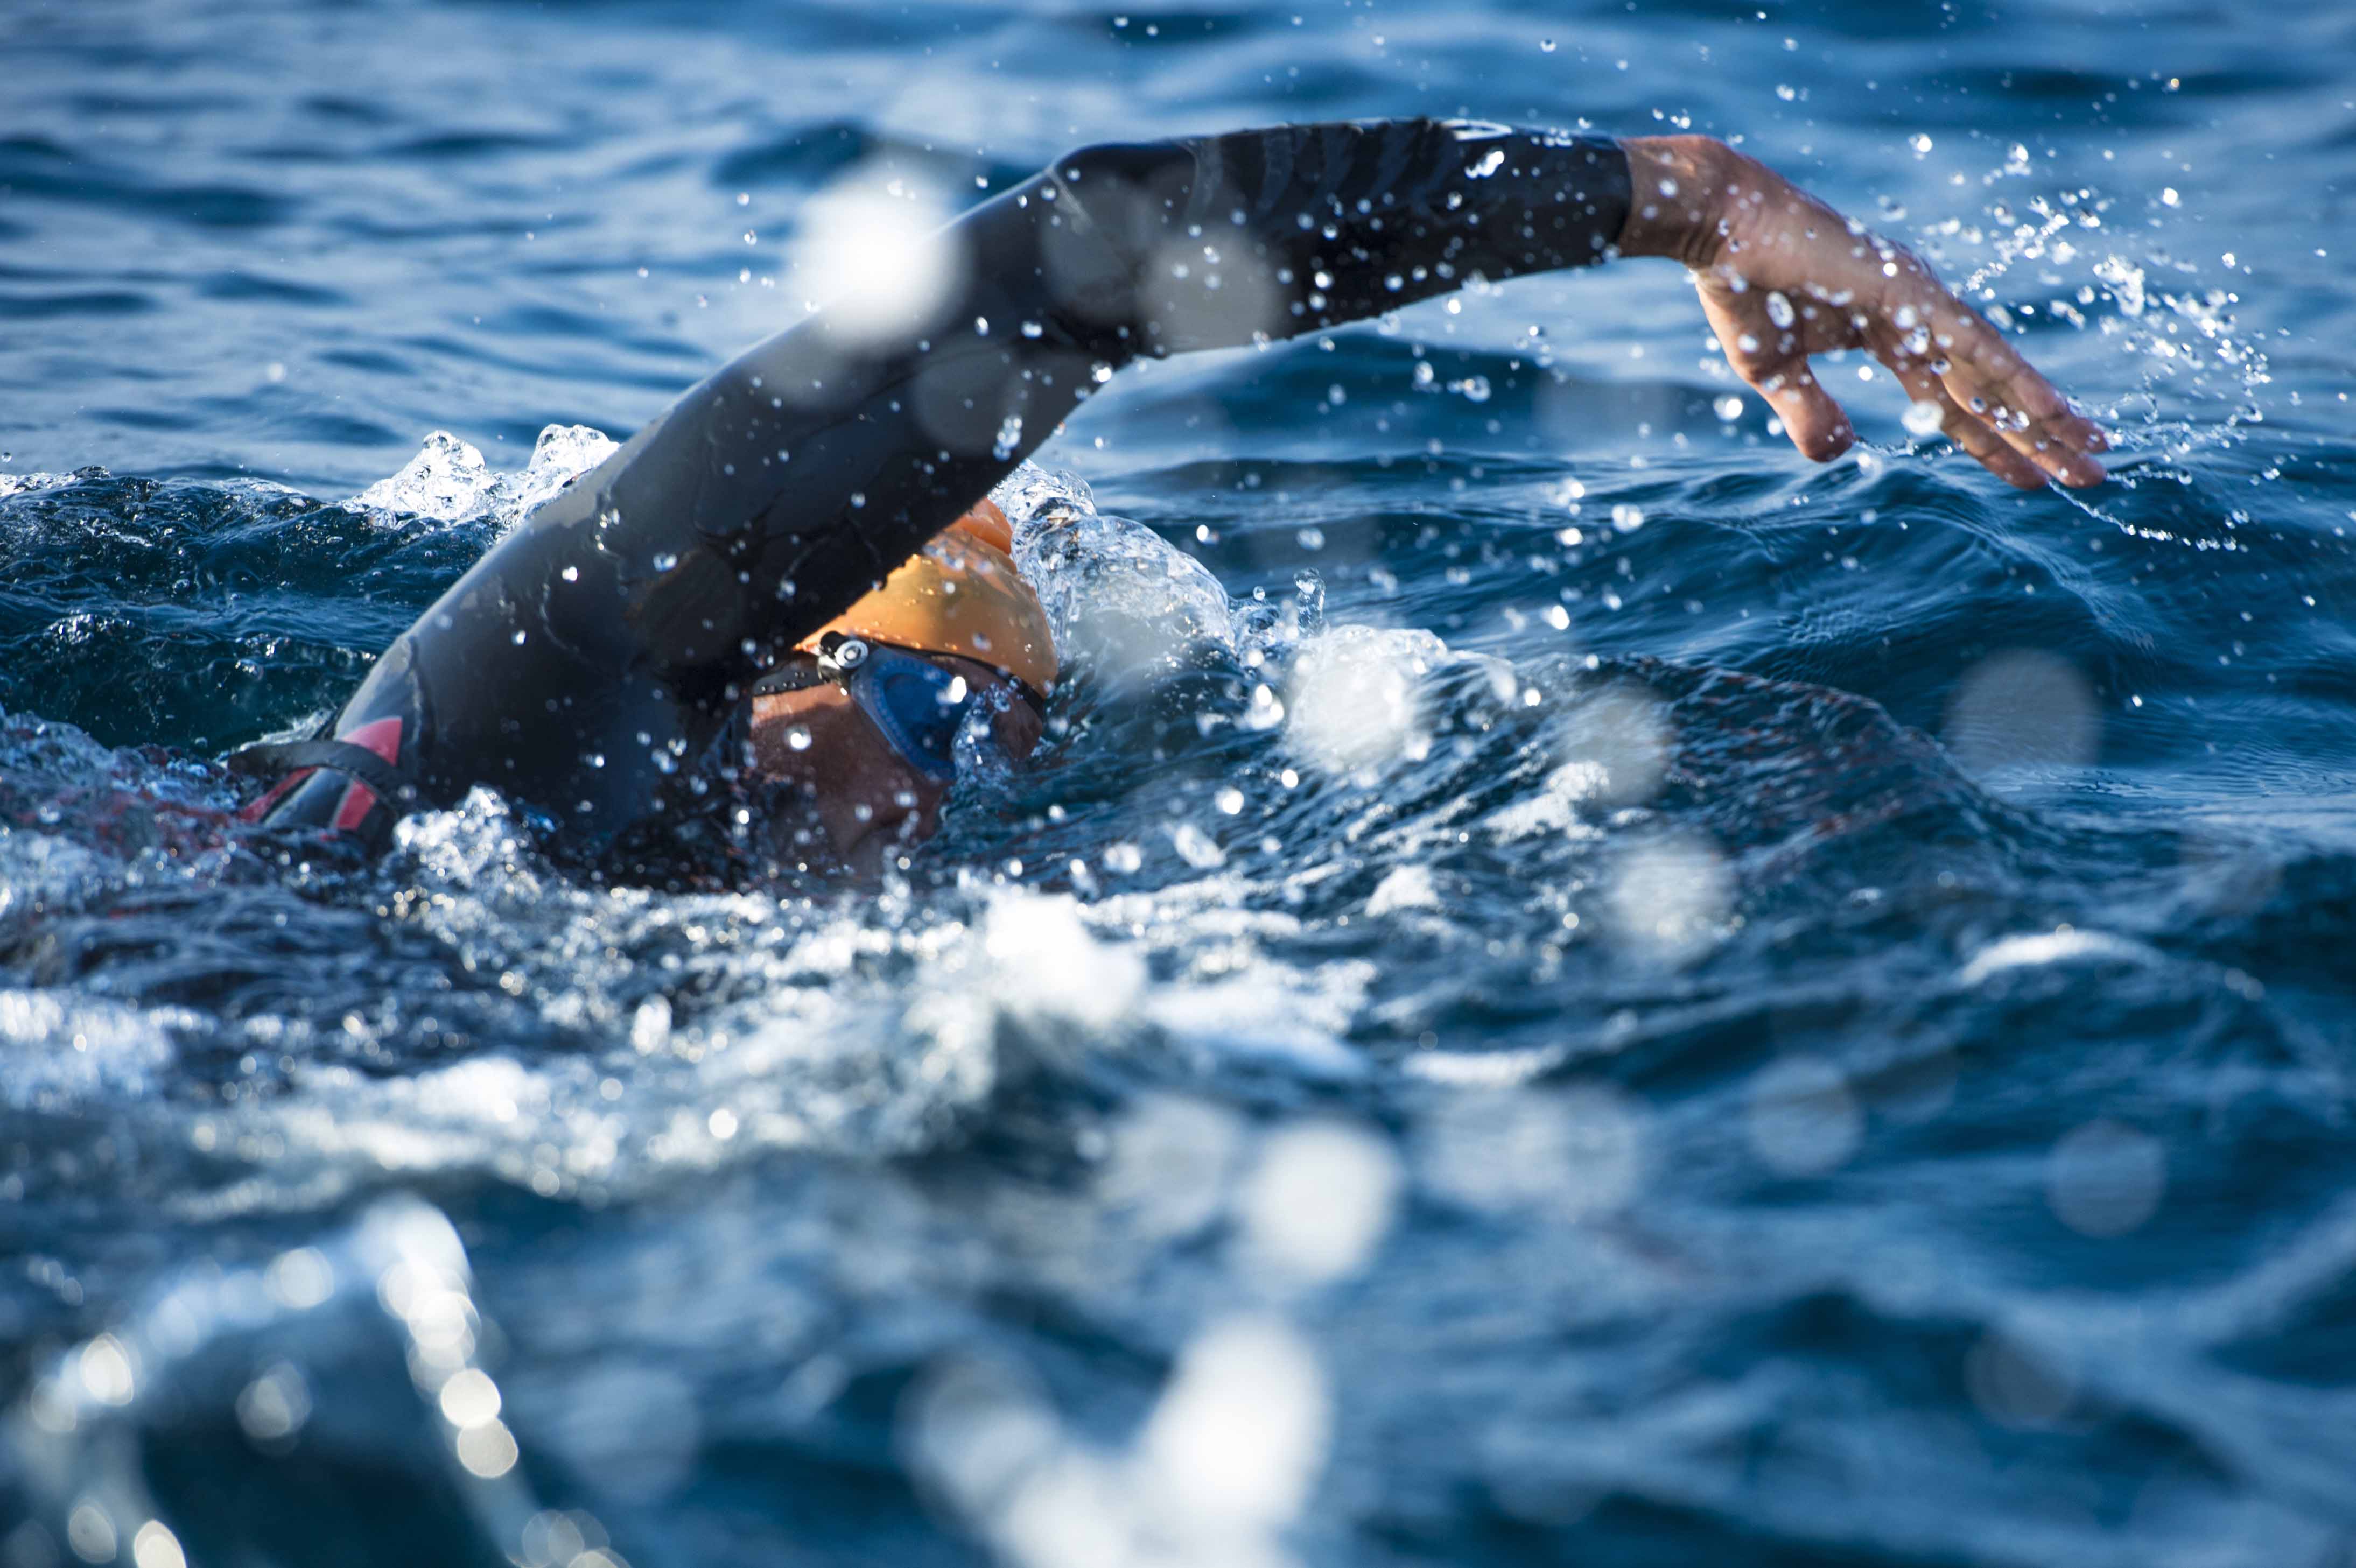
{"x": 917, "y": 705}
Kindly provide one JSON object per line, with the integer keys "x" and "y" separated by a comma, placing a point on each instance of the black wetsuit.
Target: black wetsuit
{"x": 593, "y": 663}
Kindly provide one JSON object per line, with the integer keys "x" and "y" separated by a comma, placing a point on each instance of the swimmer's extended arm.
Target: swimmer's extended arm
{"x": 1783, "y": 276}
{"x": 591, "y": 663}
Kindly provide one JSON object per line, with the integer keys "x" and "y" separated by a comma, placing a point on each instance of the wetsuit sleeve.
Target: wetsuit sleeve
{"x": 590, "y": 664}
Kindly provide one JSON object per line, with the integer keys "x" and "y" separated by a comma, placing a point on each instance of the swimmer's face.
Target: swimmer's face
{"x": 844, "y": 792}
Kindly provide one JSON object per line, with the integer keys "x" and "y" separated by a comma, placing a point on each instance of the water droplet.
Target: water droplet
{"x": 155, "y": 1546}
{"x": 2107, "y": 1179}
{"x": 1801, "y": 1118}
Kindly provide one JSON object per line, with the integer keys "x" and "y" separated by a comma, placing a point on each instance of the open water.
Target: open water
{"x": 1570, "y": 988}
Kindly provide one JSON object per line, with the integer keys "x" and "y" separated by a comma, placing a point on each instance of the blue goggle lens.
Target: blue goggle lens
{"x": 909, "y": 699}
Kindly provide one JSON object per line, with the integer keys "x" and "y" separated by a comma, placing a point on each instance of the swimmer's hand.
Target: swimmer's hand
{"x": 1783, "y": 276}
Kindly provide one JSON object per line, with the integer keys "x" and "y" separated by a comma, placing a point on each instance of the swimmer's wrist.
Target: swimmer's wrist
{"x": 1677, "y": 188}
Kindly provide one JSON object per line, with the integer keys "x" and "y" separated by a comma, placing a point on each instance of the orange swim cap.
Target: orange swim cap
{"x": 961, "y": 594}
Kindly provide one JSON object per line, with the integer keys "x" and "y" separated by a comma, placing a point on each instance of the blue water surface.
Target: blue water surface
{"x": 1568, "y": 987}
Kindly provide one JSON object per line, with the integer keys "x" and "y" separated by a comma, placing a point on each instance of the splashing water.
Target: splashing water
{"x": 447, "y": 482}
{"x": 1811, "y": 1027}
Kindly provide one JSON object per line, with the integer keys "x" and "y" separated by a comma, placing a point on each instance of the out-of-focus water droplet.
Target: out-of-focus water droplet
{"x": 108, "y": 1373}
{"x": 1319, "y": 1202}
{"x": 2024, "y": 707}
{"x": 91, "y": 1532}
{"x": 875, "y": 251}
{"x": 1576, "y": 1153}
{"x": 301, "y": 1279}
{"x": 1170, "y": 1163}
{"x": 2107, "y": 1179}
{"x": 275, "y": 1405}
{"x": 2016, "y": 1386}
{"x": 487, "y": 1451}
{"x": 1355, "y": 700}
{"x": 469, "y": 1398}
{"x": 1196, "y": 847}
{"x": 1240, "y": 1433}
{"x": 155, "y": 1546}
{"x": 1801, "y": 1118}
{"x": 1924, "y": 418}
{"x": 1728, "y": 408}
{"x": 1669, "y": 898}
{"x": 651, "y": 1025}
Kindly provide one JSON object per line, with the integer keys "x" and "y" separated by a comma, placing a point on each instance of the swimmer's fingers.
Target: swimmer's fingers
{"x": 1974, "y": 435}
{"x": 1991, "y": 382}
{"x": 1816, "y": 423}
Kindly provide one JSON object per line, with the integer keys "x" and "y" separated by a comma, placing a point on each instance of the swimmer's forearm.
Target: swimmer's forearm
{"x": 1222, "y": 240}
{"x": 1676, "y": 187}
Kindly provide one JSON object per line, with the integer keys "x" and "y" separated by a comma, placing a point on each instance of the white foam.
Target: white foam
{"x": 1271, "y": 1011}
{"x": 1403, "y": 887}
{"x": 58, "y": 1051}
{"x": 448, "y": 481}
{"x": 1050, "y": 967}
{"x": 2034, "y": 949}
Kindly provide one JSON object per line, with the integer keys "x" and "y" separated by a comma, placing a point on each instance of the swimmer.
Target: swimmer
{"x": 722, "y": 632}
